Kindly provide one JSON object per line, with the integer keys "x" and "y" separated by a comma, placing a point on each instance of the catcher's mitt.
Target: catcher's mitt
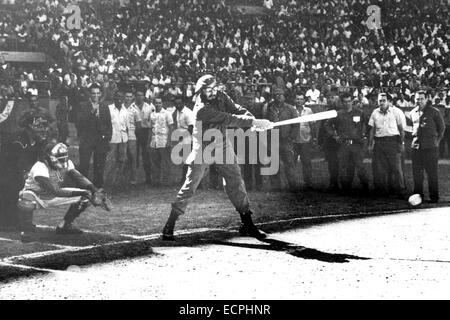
{"x": 100, "y": 199}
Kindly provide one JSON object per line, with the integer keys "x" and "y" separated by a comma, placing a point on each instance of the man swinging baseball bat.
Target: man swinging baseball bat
{"x": 215, "y": 109}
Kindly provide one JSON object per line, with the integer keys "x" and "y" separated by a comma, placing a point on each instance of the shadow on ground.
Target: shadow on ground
{"x": 271, "y": 244}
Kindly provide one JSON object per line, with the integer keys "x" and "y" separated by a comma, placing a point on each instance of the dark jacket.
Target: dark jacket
{"x": 325, "y": 138}
{"x": 428, "y": 127}
{"x": 222, "y": 113}
{"x": 94, "y": 129}
{"x": 347, "y": 125}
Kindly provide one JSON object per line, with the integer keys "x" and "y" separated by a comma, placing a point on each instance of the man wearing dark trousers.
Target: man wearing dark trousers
{"x": 428, "y": 130}
{"x": 215, "y": 110}
{"x": 279, "y": 111}
{"x": 349, "y": 129}
{"x": 95, "y": 131}
{"x": 143, "y": 133}
{"x": 386, "y": 140}
{"x": 330, "y": 149}
{"x": 304, "y": 140}
{"x": 183, "y": 120}
{"x": 446, "y": 140}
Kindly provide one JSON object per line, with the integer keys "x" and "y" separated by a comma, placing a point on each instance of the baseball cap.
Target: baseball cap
{"x": 204, "y": 81}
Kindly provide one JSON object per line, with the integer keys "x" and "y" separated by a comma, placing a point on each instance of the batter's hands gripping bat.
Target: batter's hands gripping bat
{"x": 308, "y": 118}
{"x": 100, "y": 199}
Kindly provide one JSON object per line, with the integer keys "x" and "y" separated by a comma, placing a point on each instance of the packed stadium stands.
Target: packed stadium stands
{"x": 292, "y": 45}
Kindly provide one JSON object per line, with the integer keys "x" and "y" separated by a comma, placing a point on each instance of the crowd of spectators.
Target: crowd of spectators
{"x": 170, "y": 43}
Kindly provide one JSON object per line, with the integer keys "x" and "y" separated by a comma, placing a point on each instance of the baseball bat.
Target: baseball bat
{"x": 308, "y": 118}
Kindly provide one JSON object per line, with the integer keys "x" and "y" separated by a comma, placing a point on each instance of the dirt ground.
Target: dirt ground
{"x": 142, "y": 210}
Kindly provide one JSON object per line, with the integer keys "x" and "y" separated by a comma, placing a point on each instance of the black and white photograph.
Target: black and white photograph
{"x": 224, "y": 154}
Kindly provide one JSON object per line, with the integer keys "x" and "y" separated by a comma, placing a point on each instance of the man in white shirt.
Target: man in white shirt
{"x": 183, "y": 119}
{"x": 118, "y": 145}
{"x": 134, "y": 122}
{"x": 143, "y": 133}
{"x": 313, "y": 93}
{"x": 161, "y": 129}
{"x": 386, "y": 140}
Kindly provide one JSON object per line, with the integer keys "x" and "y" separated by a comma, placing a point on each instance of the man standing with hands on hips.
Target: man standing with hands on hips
{"x": 215, "y": 110}
{"x": 428, "y": 130}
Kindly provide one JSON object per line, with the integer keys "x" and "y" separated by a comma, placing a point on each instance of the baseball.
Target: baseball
{"x": 415, "y": 200}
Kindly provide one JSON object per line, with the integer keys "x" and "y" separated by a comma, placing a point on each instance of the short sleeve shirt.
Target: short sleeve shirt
{"x": 119, "y": 120}
{"x": 184, "y": 119}
{"x": 40, "y": 169}
{"x": 386, "y": 124}
{"x": 160, "y": 122}
{"x": 145, "y": 113}
{"x": 134, "y": 115}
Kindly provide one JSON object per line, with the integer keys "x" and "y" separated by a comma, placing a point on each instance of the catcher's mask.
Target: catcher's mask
{"x": 59, "y": 156}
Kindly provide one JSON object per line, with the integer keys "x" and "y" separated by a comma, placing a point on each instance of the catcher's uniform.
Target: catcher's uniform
{"x": 60, "y": 179}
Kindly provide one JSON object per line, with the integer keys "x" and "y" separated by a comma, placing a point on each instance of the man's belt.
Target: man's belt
{"x": 387, "y": 138}
{"x": 351, "y": 141}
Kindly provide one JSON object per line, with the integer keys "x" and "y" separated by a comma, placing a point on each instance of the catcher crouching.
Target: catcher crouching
{"x": 53, "y": 181}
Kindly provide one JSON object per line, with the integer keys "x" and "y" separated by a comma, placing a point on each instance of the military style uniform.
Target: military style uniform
{"x": 288, "y": 134}
{"x": 221, "y": 115}
{"x": 330, "y": 149}
{"x": 214, "y": 113}
{"x": 349, "y": 130}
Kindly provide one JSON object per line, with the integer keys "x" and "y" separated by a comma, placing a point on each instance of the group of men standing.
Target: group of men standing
{"x": 294, "y": 140}
{"x": 118, "y": 135}
{"x": 346, "y": 139}
{"x": 384, "y": 134}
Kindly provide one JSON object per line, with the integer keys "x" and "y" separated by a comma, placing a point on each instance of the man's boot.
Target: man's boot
{"x": 74, "y": 211}
{"x": 167, "y": 233}
{"x": 247, "y": 227}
